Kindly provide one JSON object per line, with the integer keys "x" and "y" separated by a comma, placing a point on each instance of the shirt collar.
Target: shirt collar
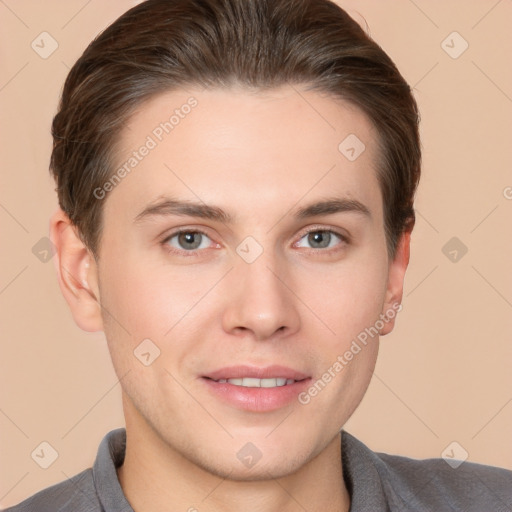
{"x": 361, "y": 475}
{"x": 110, "y": 456}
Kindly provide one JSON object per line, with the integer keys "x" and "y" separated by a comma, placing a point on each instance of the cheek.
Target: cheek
{"x": 347, "y": 299}
{"x": 156, "y": 301}
{"x": 349, "y": 302}
{"x": 133, "y": 303}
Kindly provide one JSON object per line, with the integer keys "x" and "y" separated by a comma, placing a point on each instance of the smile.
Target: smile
{"x": 251, "y": 382}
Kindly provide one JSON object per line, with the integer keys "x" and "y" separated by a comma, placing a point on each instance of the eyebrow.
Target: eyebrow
{"x": 331, "y": 206}
{"x": 168, "y": 206}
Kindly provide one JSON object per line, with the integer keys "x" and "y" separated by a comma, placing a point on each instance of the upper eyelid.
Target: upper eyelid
{"x": 330, "y": 229}
{"x": 178, "y": 231}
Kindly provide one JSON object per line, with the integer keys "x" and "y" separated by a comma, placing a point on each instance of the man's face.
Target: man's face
{"x": 258, "y": 291}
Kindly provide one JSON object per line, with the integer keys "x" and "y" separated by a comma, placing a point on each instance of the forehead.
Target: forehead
{"x": 244, "y": 149}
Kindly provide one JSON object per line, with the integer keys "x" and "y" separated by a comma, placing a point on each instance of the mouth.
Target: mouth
{"x": 251, "y": 382}
{"x": 256, "y": 389}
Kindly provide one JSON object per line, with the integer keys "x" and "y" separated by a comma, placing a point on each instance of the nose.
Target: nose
{"x": 260, "y": 301}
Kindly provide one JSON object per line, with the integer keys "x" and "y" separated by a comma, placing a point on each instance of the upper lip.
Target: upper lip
{"x": 255, "y": 372}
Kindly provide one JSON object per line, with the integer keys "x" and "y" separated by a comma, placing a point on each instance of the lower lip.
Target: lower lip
{"x": 256, "y": 399}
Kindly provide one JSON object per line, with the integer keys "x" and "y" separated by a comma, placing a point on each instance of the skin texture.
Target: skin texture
{"x": 259, "y": 156}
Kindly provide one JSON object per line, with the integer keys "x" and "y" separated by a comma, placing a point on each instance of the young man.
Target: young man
{"x": 236, "y": 183}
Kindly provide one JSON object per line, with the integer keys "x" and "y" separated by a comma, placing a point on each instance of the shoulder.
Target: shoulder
{"x": 430, "y": 484}
{"x": 76, "y": 494}
{"x": 469, "y": 486}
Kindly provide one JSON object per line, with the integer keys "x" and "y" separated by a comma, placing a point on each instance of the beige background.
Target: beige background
{"x": 444, "y": 375}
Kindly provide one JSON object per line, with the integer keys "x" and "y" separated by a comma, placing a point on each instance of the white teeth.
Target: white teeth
{"x": 251, "y": 382}
{"x": 270, "y": 383}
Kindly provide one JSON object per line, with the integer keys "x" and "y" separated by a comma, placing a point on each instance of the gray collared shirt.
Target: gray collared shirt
{"x": 376, "y": 482}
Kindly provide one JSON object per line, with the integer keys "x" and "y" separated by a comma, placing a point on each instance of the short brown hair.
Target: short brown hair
{"x": 162, "y": 45}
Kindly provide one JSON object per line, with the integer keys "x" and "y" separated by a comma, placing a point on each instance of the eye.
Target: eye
{"x": 188, "y": 240}
{"x": 321, "y": 239}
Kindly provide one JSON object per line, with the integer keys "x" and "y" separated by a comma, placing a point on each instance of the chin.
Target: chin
{"x": 259, "y": 472}
{"x": 257, "y": 458}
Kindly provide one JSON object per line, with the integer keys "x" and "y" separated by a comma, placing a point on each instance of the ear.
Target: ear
{"x": 77, "y": 273}
{"x": 395, "y": 287}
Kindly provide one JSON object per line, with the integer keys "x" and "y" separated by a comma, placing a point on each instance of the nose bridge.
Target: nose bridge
{"x": 259, "y": 280}
{"x": 259, "y": 300}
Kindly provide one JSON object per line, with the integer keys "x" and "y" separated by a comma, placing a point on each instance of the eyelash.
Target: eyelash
{"x": 344, "y": 240}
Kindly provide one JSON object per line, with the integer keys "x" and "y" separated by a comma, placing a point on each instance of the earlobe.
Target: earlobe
{"x": 77, "y": 273}
{"x": 395, "y": 285}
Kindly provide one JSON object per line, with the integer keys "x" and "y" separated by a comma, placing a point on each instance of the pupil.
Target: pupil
{"x": 189, "y": 240}
{"x": 319, "y": 239}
